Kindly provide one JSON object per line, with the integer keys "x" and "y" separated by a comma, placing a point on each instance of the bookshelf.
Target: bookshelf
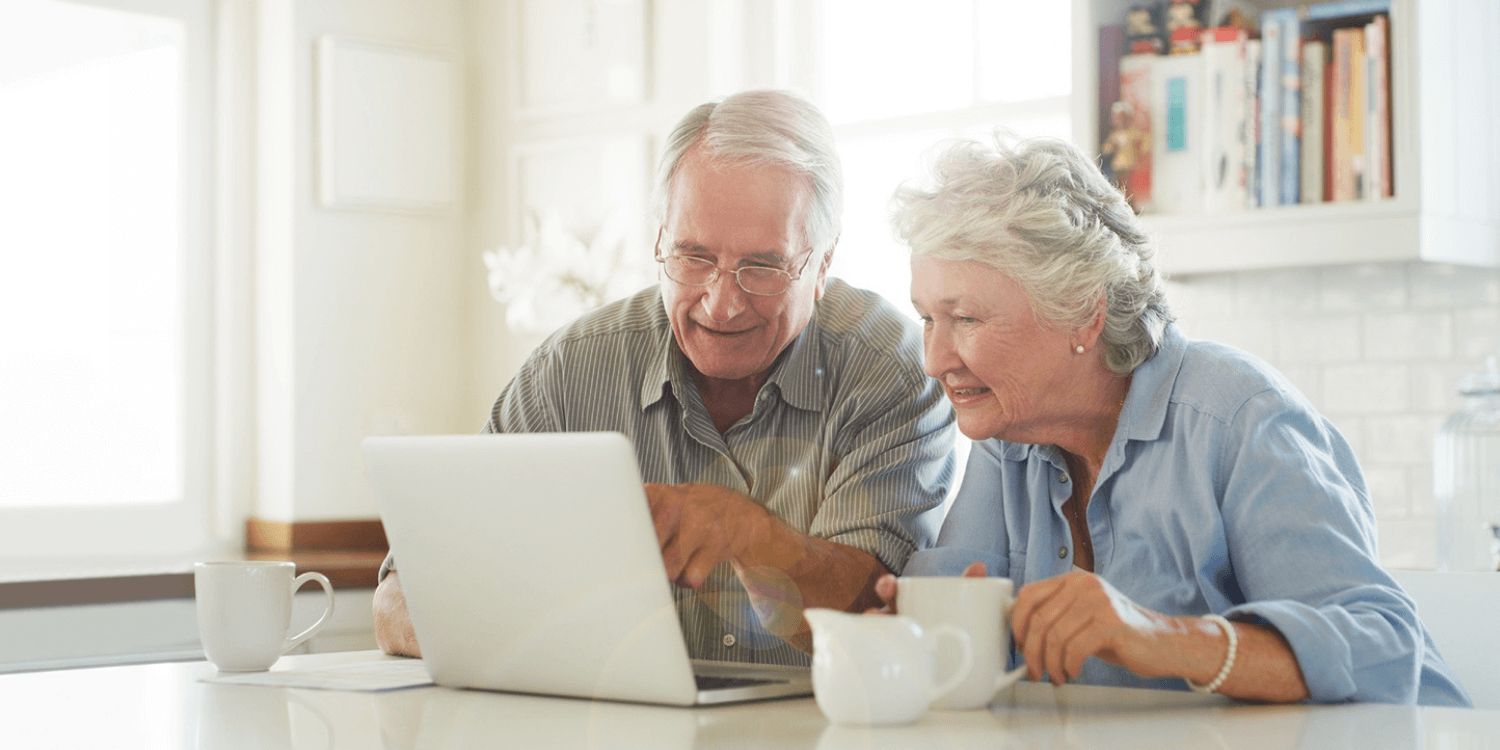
{"x": 1445, "y": 126}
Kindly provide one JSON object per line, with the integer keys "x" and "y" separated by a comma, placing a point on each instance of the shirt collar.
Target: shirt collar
{"x": 1145, "y": 410}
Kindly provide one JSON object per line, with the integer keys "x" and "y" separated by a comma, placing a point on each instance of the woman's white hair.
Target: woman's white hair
{"x": 1043, "y": 214}
{"x": 763, "y": 127}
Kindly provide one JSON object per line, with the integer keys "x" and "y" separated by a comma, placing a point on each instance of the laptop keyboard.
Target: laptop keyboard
{"x": 707, "y": 682}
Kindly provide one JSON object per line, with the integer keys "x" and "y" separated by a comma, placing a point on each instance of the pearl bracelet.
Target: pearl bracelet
{"x": 1228, "y": 659}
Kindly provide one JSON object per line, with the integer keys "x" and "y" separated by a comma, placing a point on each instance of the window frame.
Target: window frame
{"x": 181, "y": 526}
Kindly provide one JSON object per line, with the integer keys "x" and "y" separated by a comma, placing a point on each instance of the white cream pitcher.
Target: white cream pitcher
{"x": 871, "y": 669}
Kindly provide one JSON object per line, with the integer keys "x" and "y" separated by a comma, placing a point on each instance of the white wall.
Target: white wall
{"x": 1377, "y": 348}
{"x": 362, "y": 326}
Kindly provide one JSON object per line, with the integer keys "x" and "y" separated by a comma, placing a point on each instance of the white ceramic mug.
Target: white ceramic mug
{"x": 245, "y": 611}
{"x": 979, "y": 607}
{"x": 873, "y": 669}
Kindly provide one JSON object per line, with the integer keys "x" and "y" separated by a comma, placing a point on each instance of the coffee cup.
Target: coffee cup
{"x": 245, "y": 611}
{"x": 981, "y": 608}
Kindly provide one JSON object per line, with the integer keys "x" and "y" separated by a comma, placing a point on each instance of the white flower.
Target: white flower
{"x": 559, "y": 276}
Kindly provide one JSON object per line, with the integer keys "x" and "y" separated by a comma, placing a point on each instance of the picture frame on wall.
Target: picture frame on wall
{"x": 388, "y": 127}
{"x": 578, "y": 56}
{"x": 584, "y": 181}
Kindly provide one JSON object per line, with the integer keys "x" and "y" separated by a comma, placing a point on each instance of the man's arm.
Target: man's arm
{"x": 393, "y": 629}
{"x": 700, "y": 526}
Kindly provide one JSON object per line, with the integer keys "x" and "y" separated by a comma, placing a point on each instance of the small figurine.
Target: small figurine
{"x": 1184, "y": 24}
{"x": 1143, "y": 32}
{"x": 1125, "y": 146}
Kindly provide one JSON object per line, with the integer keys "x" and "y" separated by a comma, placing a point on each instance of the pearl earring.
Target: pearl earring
{"x": 1078, "y": 349}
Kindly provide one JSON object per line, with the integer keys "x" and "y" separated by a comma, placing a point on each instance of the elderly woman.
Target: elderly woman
{"x": 1173, "y": 512}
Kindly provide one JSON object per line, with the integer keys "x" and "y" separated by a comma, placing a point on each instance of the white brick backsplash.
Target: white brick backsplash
{"x": 1407, "y": 543}
{"x": 1254, "y": 335}
{"x": 1322, "y": 338}
{"x": 1277, "y": 292}
{"x": 1421, "y": 490}
{"x": 1353, "y": 430}
{"x": 1408, "y": 336}
{"x": 1388, "y": 490}
{"x": 1439, "y": 285}
{"x": 1363, "y": 288}
{"x": 1401, "y": 439}
{"x": 1476, "y": 332}
{"x": 1308, "y": 379}
{"x": 1366, "y": 389}
{"x": 1434, "y": 386}
{"x": 1209, "y": 294}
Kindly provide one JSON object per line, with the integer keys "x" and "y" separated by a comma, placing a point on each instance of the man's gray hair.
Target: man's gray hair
{"x": 1043, "y": 214}
{"x": 763, "y": 127}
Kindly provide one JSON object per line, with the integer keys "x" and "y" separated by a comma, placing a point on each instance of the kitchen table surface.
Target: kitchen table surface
{"x": 167, "y": 706}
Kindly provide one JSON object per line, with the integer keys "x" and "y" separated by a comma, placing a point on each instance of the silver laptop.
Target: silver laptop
{"x": 530, "y": 564}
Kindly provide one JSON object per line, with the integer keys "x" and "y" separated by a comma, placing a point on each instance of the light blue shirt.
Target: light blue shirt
{"x": 1222, "y": 491}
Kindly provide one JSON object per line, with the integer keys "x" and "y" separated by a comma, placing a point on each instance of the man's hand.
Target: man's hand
{"x": 702, "y": 525}
{"x": 393, "y": 629}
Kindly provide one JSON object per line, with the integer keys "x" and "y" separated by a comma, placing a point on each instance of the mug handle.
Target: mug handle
{"x": 312, "y": 630}
{"x": 1006, "y": 679}
{"x": 965, "y": 662}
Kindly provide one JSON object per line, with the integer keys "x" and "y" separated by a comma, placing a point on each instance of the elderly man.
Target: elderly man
{"x": 791, "y": 441}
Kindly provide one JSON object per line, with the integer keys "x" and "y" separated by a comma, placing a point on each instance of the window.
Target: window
{"x": 104, "y": 276}
{"x": 896, "y": 77}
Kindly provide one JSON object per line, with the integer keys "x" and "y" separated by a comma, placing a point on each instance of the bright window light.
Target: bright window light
{"x": 91, "y": 257}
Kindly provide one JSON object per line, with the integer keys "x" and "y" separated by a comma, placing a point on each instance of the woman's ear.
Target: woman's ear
{"x": 1088, "y": 336}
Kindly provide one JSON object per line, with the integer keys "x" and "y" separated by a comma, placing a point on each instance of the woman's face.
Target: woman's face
{"x": 1006, "y": 375}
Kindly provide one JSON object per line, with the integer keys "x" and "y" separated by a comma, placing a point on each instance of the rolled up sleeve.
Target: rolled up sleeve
{"x": 1301, "y": 537}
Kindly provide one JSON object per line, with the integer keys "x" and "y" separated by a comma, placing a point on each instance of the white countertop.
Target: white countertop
{"x": 166, "y": 707}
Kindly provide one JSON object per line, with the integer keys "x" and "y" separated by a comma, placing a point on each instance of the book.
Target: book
{"x": 1289, "y": 113}
{"x": 1135, "y": 101}
{"x": 1377, "y": 109}
{"x": 1224, "y": 116}
{"x": 1268, "y": 163}
{"x": 1345, "y": 163}
{"x": 1111, "y": 47}
{"x": 1314, "y": 65}
{"x": 1177, "y": 147}
{"x": 1252, "y": 123}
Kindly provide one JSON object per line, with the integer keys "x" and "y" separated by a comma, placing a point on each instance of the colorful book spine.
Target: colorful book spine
{"x": 1347, "y": 161}
{"x": 1314, "y": 63}
{"x": 1358, "y": 75}
{"x": 1269, "y": 162}
{"x": 1176, "y": 138}
{"x": 1378, "y": 109}
{"x": 1223, "y": 54}
{"x": 1252, "y": 123}
{"x": 1290, "y": 169}
{"x": 1111, "y": 47}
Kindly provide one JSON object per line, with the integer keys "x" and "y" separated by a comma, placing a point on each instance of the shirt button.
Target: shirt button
{"x": 729, "y": 639}
{"x": 1063, "y": 477}
{"x": 1062, "y": 554}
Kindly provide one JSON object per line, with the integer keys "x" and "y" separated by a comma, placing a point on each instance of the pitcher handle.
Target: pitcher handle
{"x": 965, "y": 661}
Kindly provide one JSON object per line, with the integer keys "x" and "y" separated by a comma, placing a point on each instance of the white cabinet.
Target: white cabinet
{"x": 1445, "y": 109}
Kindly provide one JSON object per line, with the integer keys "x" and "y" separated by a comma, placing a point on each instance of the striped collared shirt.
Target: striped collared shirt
{"x": 848, "y": 441}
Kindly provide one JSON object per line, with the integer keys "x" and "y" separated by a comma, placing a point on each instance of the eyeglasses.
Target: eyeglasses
{"x": 762, "y": 281}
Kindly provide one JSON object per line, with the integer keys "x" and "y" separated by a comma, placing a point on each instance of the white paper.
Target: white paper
{"x": 372, "y": 676}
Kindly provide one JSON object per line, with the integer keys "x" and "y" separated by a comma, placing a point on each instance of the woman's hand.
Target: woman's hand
{"x": 885, "y": 588}
{"x": 1060, "y": 622}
